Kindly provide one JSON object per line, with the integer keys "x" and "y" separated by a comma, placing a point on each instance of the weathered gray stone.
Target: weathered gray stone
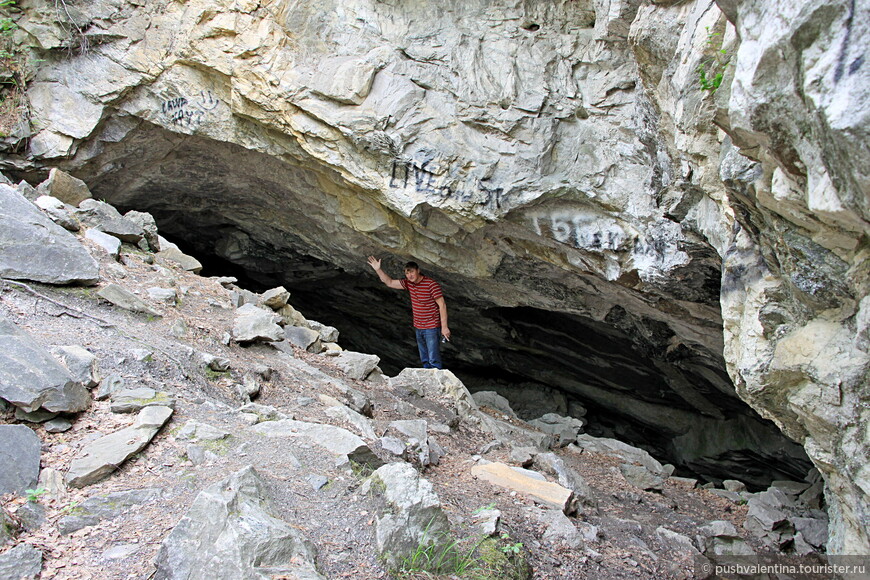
{"x": 195, "y": 431}
{"x": 149, "y": 227}
{"x": 186, "y": 262}
{"x": 104, "y": 507}
{"x": 336, "y": 440}
{"x": 32, "y": 247}
{"x": 59, "y": 425}
{"x": 327, "y": 333}
{"x": 134, "y": 400}
{"x": 8, "y": 528}
{"x": 560, "y": 529}
{"x": 813, "y": 530}
{"x": 356, "y": 365}
{"x": 110, "y": 244}
{"x": 734, "y": 485}
{"x": 125, "y": 299}
{"x": 255, "y": 324}
{"x": 640, "y": 476}
{"x": 486, "y": 521}
{"x": 554, "y": 465}
{"x": 64, "y": 187}
{"x": 413, "y": 516}
{"x": 676, "y": 542}
{"x": 37, "y": 416}
{"x": 166, "y": 295}
{"x": 565, "y": 429}
{"x": 620, "y": 449}
{"x": 19, "y": 455}
{"x": 123, "y": 229}
{"x": 362, "y": 425}
{"x": 93, "y": 212}
{"x": 276, "y": 298}
{"x": 81, "y": 364}
{"x": 102, "y": 457}
{"x": 262, "y": 412}
{"x": 108, "y": 386}
{"x": 494, "y": 401}
{"x": 438, "y": 385}
{"x": 304, "y": 338}
{"x": 31, "y": 378}
{"x": 720, "y": 538}
{"x": 232, "y": 531}
{"x": 22, "y": 562}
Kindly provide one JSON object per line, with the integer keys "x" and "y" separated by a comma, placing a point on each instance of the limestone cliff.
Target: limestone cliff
{"x": 597, "y": 217}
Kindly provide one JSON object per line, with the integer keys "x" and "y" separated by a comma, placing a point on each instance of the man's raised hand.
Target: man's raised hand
{"x": 374, "y": 263}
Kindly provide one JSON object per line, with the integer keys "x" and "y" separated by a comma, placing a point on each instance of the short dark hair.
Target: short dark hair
{"x": 412, "y": 266}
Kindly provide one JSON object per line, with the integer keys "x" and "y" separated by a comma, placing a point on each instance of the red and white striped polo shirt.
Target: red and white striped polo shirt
{"x": 423, "y": 296}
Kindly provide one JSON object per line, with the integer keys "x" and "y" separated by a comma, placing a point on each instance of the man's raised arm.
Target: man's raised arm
{"x": 389, "y": 282}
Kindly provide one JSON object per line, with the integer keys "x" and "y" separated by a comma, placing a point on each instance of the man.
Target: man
{"x": 427, "y": 306}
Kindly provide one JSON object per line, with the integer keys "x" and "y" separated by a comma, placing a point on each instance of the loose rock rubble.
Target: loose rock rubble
{"x": 337, "y": 471}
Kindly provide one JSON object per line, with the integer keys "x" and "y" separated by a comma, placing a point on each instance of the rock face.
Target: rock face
{"x": 231, "y": 531}
{"x": 606, "y": 222}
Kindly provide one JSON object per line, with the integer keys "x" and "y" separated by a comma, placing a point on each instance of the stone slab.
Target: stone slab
{"x": 544, "y": 492}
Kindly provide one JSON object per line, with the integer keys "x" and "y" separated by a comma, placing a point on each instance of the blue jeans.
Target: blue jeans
{"x": 428, "y": 342}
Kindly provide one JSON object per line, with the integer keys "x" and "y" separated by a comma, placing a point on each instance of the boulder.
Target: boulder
{"x": 304, "y": 338}
{"x": 37, "y": 416}
{"x": 110, "y": 244}
{"x": 543, "y": 492}
{"x": 20, "y": 454}
{"x": 32, "y": 247}
{"x": 80, "y": 362}
{"x": 57, "y": 211}
{"x": 123, "y": 229}
{"x": 720, "y": 538}
{"x": 356, "y": 365}
{"x": 165, "y": 295}
{"x": 565, "y": 429}
{"x": 362, "y": 424}
{"x": 232, "y": 531}
{"x": 619, "y": 449}
{"x": 438, "y": 385}
{"x": 327, "y": 333}
{"x": 486, "y": 521}
{"x": 125, "y": 299}
{"x": 195, "y": 431}
{"x": 108, "y": 386}
{"x": 93, "y": 213}
{"x": 149, "y": 227}
{"x": 134, "y": 400}
{"x": 30, "y": 378}
{"x": 640, "y": 476}
{"x": 65, "y": 187}
{"x": 262, "y": 412}
{"x": 413, "y": 432}
{"x": 336, "y": 440}
{"x": 568, "y": 478}
{"x": 412, "y": 517}
{"x": 98, "y": 508}
{"x": 21, "y": 562}
{"x": 494, "y": 401}
{"x": 276, "y": 298}
{"x": 173, "y": 254}
{"x": 255, "y": 324}
{"x": 676, "y": 542}
{"x": 559, "y": 528}
{"x": 59, "y": 425}
{"x": 102, "y": 457}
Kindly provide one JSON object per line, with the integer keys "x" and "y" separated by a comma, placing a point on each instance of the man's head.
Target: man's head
{"x": 412, "y": 272}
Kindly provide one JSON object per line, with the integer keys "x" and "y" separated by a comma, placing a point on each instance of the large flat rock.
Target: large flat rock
{"x": 100, "y": 458}
{"x": 32, "y": 247}
{"x": 544, "y": 492}
{"x": 31, "y": 378}
{"x": 336, "y": 440}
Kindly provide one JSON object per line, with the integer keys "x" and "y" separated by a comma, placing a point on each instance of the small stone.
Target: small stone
{"x": 58, "y": 425}
{"x": 110, "y": 385}
{"x": 317, "y": 481}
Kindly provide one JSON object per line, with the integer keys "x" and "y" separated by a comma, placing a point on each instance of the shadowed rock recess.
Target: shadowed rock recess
{"x": 681, "y": 261}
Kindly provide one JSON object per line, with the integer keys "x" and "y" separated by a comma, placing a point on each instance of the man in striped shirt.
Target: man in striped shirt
{"x": 427, "y": 306}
